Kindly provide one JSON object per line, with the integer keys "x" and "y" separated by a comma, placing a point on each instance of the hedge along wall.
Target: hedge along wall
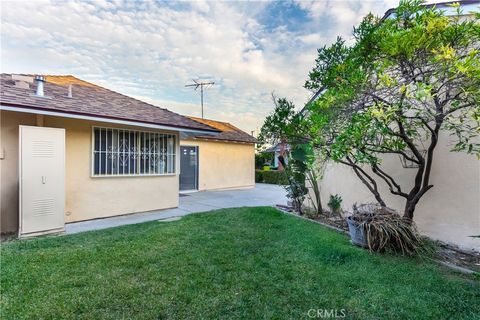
{"x": 271, "y": 177}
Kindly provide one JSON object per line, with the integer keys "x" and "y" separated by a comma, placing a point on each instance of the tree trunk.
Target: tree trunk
{"x": 319, "y": 205}
{"x": 298, "y": 204}
{"x": 409, "y": 209}
{"x": 317, "y": 202}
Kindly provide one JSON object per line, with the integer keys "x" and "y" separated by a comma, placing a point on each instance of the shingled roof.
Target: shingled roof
{"x": 228, "y": 132}
{"x": 88, "y": 99}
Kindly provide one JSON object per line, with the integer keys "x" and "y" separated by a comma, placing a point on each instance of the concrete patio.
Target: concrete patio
{"x": 261, "y": 195}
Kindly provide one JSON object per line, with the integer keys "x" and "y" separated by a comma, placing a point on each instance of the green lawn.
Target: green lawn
{"x": 237, "y": 263}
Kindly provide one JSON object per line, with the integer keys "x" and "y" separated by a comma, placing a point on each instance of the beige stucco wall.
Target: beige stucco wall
{"x": 450, "y": 211}
{"x": 86, "y": 197}
{"x": 9, "y": 122}
{"x": 224, "y": 165}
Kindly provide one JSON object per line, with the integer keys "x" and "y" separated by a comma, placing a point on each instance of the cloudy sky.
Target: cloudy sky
{"x": 151, "y": 49}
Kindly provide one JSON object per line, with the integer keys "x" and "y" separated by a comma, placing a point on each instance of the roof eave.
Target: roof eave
{"x": 214, "y": 138}
{"x": 83, "y": 116}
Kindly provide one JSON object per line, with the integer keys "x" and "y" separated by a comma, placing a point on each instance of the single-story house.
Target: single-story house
{"x": 72, "y": 151}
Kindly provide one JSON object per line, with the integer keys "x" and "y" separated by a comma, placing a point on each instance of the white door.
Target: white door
{"x": 42, "y": 180}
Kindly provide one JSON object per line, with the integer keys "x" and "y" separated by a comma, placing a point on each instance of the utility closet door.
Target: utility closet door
{"x": 42, "y": 180}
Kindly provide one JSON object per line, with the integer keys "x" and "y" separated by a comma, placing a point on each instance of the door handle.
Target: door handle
{"x": 44, "y": 179}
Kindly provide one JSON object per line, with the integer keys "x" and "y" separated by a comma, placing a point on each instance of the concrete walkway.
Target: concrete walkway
{"x": 261, "y": 195}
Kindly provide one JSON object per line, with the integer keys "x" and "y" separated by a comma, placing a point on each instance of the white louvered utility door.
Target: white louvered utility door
{"x": 42, "y": 180}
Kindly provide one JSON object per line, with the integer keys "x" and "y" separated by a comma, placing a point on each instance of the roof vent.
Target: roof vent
{"x": 39, "y": 80}
{"x": 70, "y": 95}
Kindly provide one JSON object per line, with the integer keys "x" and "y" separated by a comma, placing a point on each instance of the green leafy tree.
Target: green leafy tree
{"x": 404, "y": 80}
{"x": 280, "y": 125}
{"x": 286, "y": 126}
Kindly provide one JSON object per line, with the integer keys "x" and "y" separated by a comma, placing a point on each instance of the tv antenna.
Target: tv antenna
{"x": 198, "y": 84}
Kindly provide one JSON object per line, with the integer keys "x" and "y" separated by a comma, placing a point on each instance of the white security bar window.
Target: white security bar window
{"x": 128, "y": 152}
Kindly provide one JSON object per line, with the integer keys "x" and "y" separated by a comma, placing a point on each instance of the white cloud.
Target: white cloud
{"x": 151, "y": 50}
{"x": 200, "y": 5}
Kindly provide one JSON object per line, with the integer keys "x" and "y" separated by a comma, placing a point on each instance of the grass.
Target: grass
{"x": 234, "y": 263}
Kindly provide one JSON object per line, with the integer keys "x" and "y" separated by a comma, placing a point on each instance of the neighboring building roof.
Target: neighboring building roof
{"x": 88, "y": 99}
{"x": 446, "y": 6}
{"x": 277, "y": 148}
{"x": 228, "y": 132}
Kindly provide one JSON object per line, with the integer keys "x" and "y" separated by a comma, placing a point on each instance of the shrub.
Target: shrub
{"x": 296, "y": 191}
{"x": 335, "y": 203}
{"x": 271, "y": 177}
{"x": 275, "y": 177}
{"x": 259, "y": 176}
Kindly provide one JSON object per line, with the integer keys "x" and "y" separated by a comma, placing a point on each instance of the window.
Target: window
{"x": 119, "y": 152}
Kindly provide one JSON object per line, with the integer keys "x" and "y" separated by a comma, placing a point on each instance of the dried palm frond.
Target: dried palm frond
{"x": 386, "y": 230}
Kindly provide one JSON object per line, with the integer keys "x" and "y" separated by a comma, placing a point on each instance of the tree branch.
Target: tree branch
{"x": 363, "y": 176}
{"x": 389, "y": 180}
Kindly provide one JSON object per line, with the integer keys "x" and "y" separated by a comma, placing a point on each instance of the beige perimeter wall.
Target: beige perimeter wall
{"x": 224, "y": 165}
{"x": 449, "y": 212}
{"x": 86, "y": 197}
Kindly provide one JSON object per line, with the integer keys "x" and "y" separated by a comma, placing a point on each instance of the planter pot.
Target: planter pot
{"x": 357, "y": 233}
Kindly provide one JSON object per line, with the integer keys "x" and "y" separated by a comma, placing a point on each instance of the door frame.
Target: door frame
{"x": 197, "y": 173}
{"x": 20, "y": 191}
